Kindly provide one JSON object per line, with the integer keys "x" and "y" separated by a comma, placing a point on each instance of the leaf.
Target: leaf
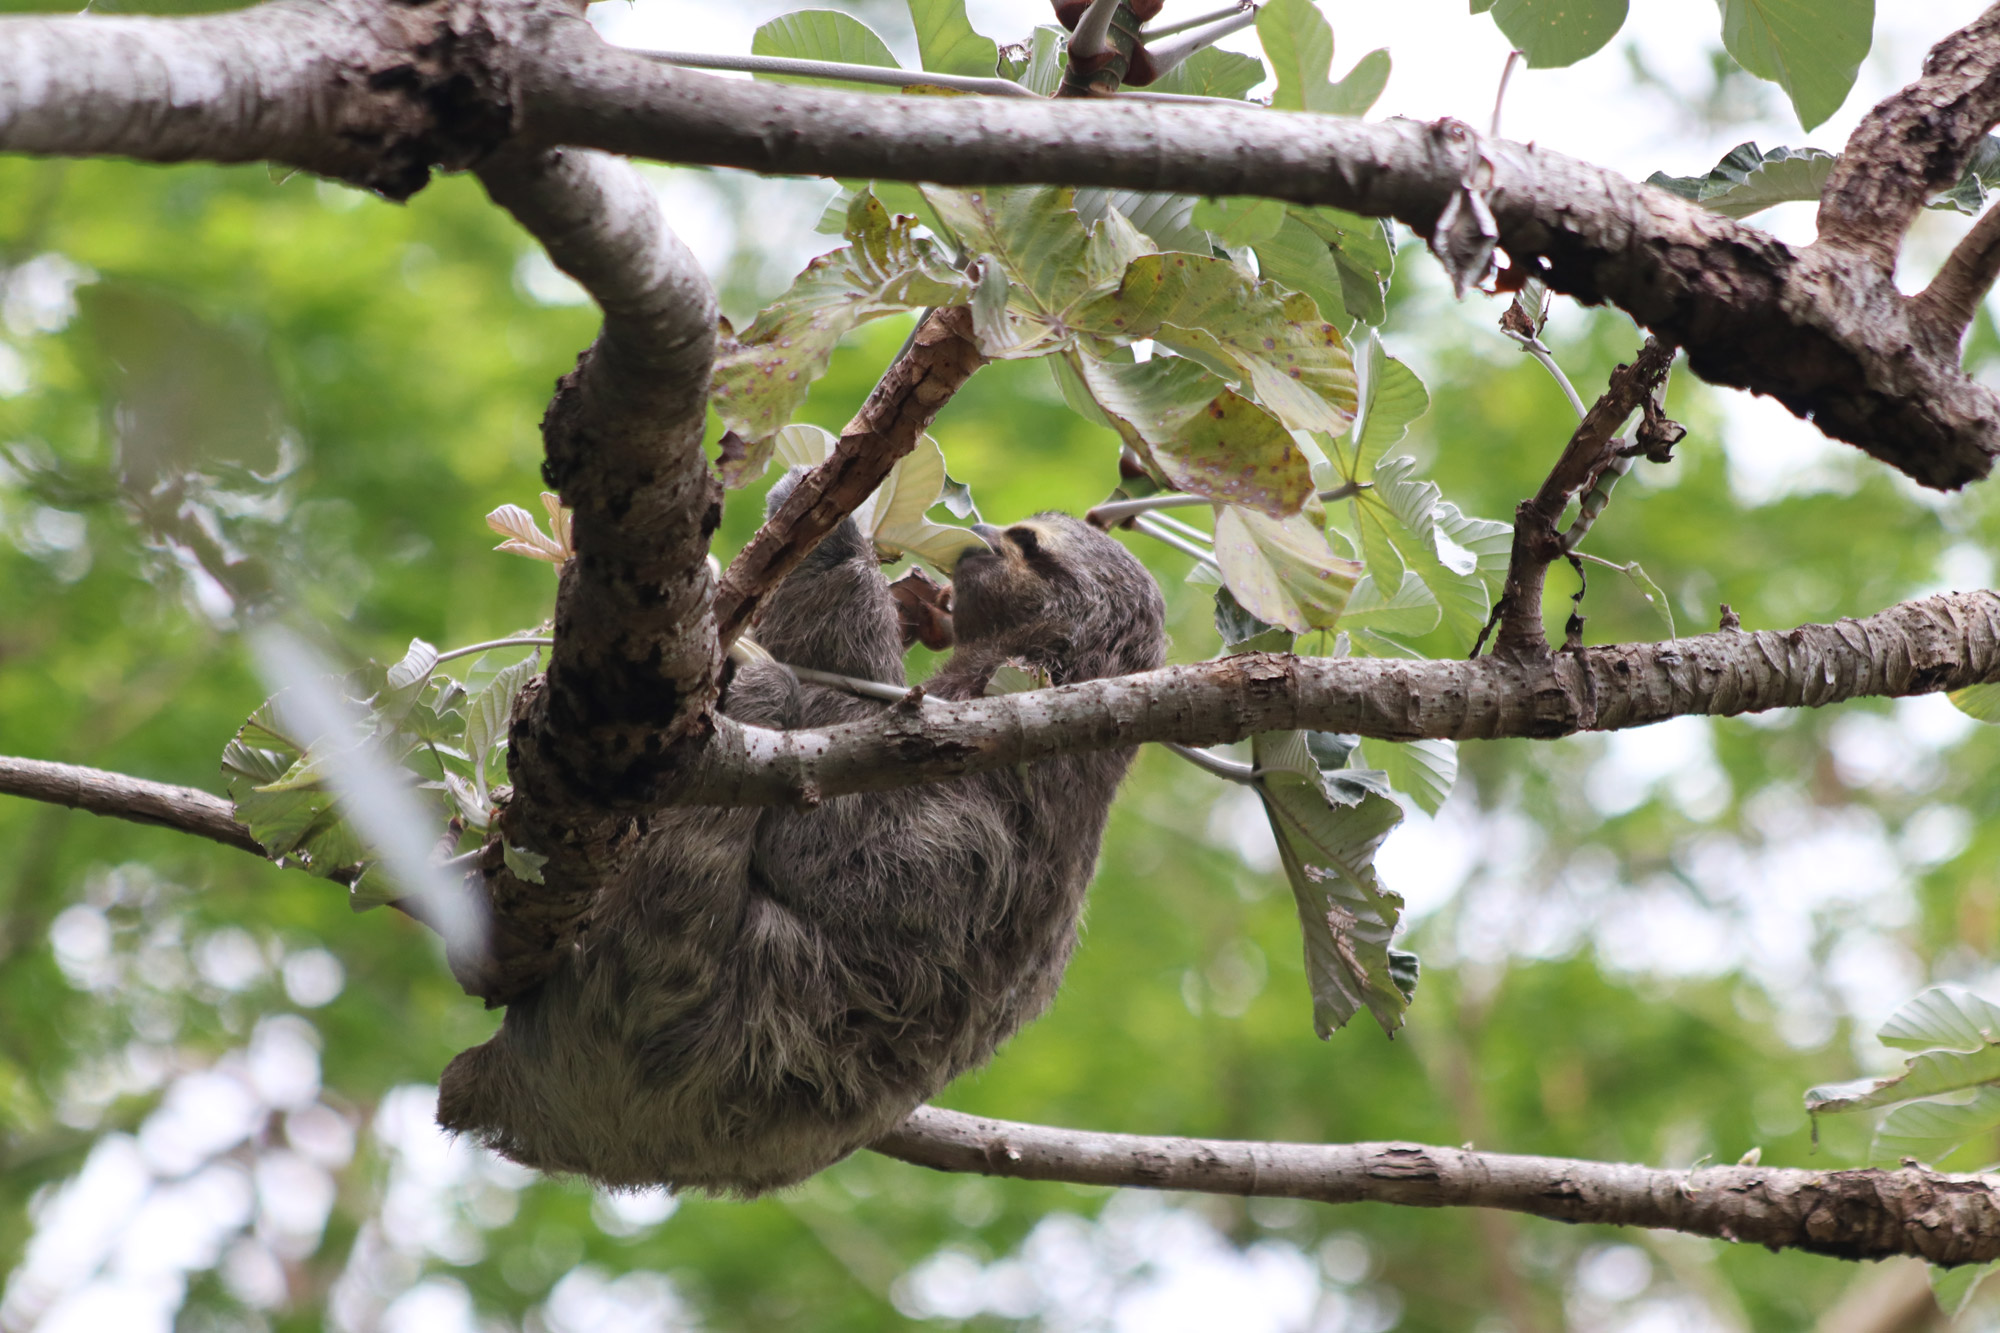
{"x": 821, "y": 34}
{"x": 1046, "y": 62}
{"x": 1212, "y": 72}
{"x": 1242, "y": 632}
{"x": 1956, "y": 1035}
{"x": 1748, "y": 180}
{"x": 1931, "y": 1131}
{"x": 1209, "y": 440}
{"x": 1167, "y": 219}
{"x": 524, "y": 536}
{"x": 741, "y": 462}
{"x": 1328, "y": 847}
{"x": 1553, "y": 33}
{"x": 299, "y": 826}
{"x": 1397, "y": 523}
{"x": 1295, "y": 257}
{"x": 761, "y": 379}
{"x": 1651, "y": 591}
{"x": 1411, "y": 610}
{"x": 1292, "y": 361}
{"x": 893, "y": 517}
{"x": 1810, "y": 48}
{"x": 1356, "y": 93}
{"x": 1425, "y": 771}
{"x": 1016, "y": 677}
{"x": 1981, "y": 702}
{"x": 1238, "y": 222}
{"x": 406, "y": 680}
{"x": 1282, "y": 571}
{"x": 946, "y": 41}
{"x": 802, "y": 445}
{"x": 1981, "y": 174}
{"x": 1953, "y": 1288}
{"x": 1363, "y": 252}
{"x": 488, "y": 713}
{"x": 1052, "y": 261}
{"x": 526, "y": 865}
{"x": 1298, "y": 42}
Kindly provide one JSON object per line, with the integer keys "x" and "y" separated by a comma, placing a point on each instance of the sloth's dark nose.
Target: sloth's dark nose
{"x": 995, "y": 539}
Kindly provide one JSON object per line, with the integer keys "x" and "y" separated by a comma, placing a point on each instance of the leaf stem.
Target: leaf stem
{"x": 1199, "y": 20}
{"x": 867, "y": 689}
{"x": 885, "y": 76}
{"x": 1229, "y": 770}
{"x": 525, "y": 641}
{"x": 1539, "y": 350}
{"x": 1171, "y": 55}
{"x": 1153, "y": 528}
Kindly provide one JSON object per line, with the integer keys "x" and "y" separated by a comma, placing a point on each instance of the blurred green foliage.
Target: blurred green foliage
{"x": 397, "y": 367}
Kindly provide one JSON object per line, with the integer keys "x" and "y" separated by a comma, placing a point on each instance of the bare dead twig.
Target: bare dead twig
{"x": 1947, "y": 306}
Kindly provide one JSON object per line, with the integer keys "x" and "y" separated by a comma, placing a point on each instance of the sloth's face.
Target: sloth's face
{"x": 1018, "y": 577}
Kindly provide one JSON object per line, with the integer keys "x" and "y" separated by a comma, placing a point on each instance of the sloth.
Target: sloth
{"x": 763, "y": 991}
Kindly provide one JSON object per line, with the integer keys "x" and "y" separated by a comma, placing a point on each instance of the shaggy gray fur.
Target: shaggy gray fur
{"x": 768, "y": 990}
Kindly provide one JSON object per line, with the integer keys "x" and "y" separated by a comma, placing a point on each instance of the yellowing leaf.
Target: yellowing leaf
{"x": 1282, "y": 571}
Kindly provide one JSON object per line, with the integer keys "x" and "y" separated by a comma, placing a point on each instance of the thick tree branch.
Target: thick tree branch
{"x": 443, "y": 80}
{"x": 1911, "y": 145}
{"x": 1864, "y": 1214}
{"x": 1536, "y": 539}
{"x": 1920, "y": 647}
{"x": 634, "y": 665}
{"x": 908, "y": 397}
{"x": 371, "y": 93}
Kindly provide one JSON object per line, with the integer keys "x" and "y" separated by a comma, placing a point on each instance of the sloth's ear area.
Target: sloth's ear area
{"x": 782, "y": 488}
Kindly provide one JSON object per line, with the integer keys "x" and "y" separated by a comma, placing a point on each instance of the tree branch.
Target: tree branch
{"x": 940, "y": 358}
{"x": 633, "y": 669}
{"x": 1912, "y": 145}
{"x": 1861, "y": 1214}
{"x": 1920, "y": 647}
{"x": 183, "y": 809}
{"x": 1583, "y": 459}
{"x": 1947, "y": 306}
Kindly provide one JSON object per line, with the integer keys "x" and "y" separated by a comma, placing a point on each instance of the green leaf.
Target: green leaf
{"x": 1552, "y": 33}
{"x": 1401, "y": 513}
{"x": 1207, "y": 439}
{"x": 761, "y": 379}
{"x": 406, "y": 680}
{"x": 1212, "y": 72}
{"x": 1981, "y": 174}
{"x": 1328, "y": 847}
{"x": 1282, "y": 571}
{"x": 1931, "y": 1131}
{"x": 1361, "y": 248}
{"x": 1054, "y": 265}
{"x": 893, "y": 517}
{"x": 1425, "y": 771}
{"x": 1046, "y": 62}
{"x": 488, "y": 713}
{"x": 526, "y": 865}
{"x": 1410, "y": 610}
{"x": 1810, "y": 48}
{"x": 1166, "y": 218}
{"x": 1298, "y": 42}
{"x": 1238, "y": 222}
{"x": 1242, "y": 632}
{"x": 1957, "y": 1039}
{"x": 821, "y": 34}
{"x": 1978, "y": 701}
{"x": 802, "y": 445}
{"x": 300, "y": 826}
{"x": 1295, "y": 257}
{"x": 946, "y": 41}
{"x": 1748, "y": 180}
{"x": 1356, "y": 93}
{"x": 1944, "y": 1016}
{"x": 1294, "y": 362}
{"x": 1953, "y": 1288}
{"x": 1390, "y": 397}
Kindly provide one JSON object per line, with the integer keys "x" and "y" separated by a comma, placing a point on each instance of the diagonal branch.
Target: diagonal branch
{"x": 633, "y": 668}
{"x": 1920, "y": 647}
{"x": 1583, "y": 459}
{"x": 941, "y": 356}
{"x": 184, "y": 809}
{"x": 1861, "y": 1214}
{"x": 1947, "y": 306}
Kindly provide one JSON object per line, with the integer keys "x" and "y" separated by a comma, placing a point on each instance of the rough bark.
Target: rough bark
{"x": 183, "y": 809}
{"x": 632, "y": 672}
{"x": 447, "y": 80}
{"x": 910, "y": 394}
{"x": 1865, "y": 1214}
{"x": 1920, "y": 647}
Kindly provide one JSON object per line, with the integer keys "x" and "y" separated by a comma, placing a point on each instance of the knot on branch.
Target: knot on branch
{"x": 436, "y": 94}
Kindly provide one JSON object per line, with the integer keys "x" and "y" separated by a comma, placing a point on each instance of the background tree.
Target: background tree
{"x": 226, "y": 372}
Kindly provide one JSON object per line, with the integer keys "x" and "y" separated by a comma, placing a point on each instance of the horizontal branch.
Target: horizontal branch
{"x": 1920, "y": 647}
{"x": 1861, "y": 1214}
{"x": 183, "y": 809}
{"x": 1751, "y": 311}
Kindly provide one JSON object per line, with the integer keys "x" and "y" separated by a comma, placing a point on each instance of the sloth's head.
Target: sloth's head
{"x": 1058, "y": 591}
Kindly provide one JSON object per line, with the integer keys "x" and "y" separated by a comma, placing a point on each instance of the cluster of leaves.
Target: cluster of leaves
{"x": 447, "y": 735}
